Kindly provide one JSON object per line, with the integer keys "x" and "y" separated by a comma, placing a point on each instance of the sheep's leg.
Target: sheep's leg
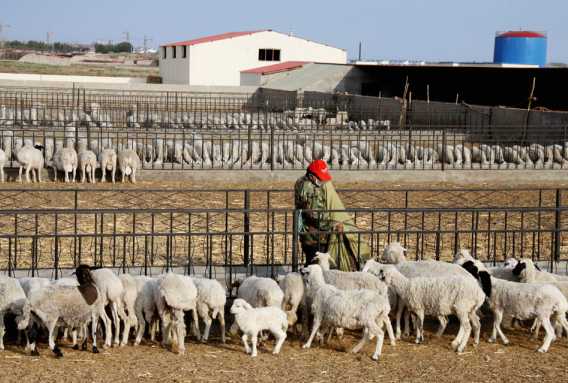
{"x": 204, "y": 314}
{"x": 443, "y": 324}
{"x": 254, "y": 341}
{"x": 315, "y": 328}
{"x": 464, "y": 322}
{"x": 399, "y": 311}
{"x": 195, "y": 324}
{"x": 180, "y": 331}
{"x": 549, "y": 337}
{"x": 122, "y": 317}
{"x": 476, "y": 325}
{"x": 116, "y": 322}
{"x": 83, "y": 175}
{"x": 561, "y": 318}
{"x": 2, "y": 331}
{"x": 245, "y": 342}
{"x": 103, "y": 171}
{"x": 379, "y": 346}
{"x": 74, "y": 174}
{"x": 52, "y": 345}
{"x": 74, "y": 339}
{"x": 497, "y": 324}
{"x": 406, "y": 323}
{"x": 108, "y": 329}
{"x": 39, "y": 174}
{"x": 20, "y": 174}
{"x": 419, "y": 326}
{"x": 54, "y": 174}
{"x": 66, "y": 176}
{"x": 113, "y": 173}
{"x": 2, "y": 172}
{"x": 28, "y": 168}
{"x": 94, "y": 321}
{"x": 133, "y": 176}
{"x": 280, "y": 338}
{"x": 535, "y": 328}
{"x": 221, "y": 317}
{"x": 362, "y": 342}
{"x": 390, "y": 331}
{"x": 93, "y": 179}
{"x": 141, "y": 327}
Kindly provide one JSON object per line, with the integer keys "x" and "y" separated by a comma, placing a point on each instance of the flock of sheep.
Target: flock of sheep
{"x": 330, "y": 300}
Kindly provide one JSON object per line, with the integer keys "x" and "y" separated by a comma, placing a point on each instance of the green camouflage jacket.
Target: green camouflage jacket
{"x": 308, "y": 197}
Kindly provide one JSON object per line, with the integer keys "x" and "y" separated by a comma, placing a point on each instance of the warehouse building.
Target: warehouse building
{"x": 218, "y": 60}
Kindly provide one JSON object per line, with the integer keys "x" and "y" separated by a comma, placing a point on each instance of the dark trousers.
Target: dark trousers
{"x": 310, "y": 251}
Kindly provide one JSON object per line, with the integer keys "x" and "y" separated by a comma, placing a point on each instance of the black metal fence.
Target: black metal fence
{"x": 248, "y": 230}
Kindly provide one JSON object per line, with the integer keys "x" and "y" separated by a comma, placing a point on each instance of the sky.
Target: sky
{"x": 435, "y": 30}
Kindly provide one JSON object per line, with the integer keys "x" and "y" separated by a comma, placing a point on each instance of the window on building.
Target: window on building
{"x": 266, "y": 54}
{"x": 164, "y": 52}
{"x": 174, "y": 52}
{"x": 184, "y": 52}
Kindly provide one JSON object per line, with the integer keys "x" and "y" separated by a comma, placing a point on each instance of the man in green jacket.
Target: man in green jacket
{"x": 322, "y": 230}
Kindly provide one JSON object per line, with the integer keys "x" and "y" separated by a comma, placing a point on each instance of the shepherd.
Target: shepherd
{"x": 324, "y": 225}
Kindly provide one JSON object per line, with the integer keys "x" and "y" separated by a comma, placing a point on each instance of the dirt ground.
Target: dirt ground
{"x": 432, "y": 361}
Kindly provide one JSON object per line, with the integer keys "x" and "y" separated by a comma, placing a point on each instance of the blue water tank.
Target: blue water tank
{"x": 520, "y": 47}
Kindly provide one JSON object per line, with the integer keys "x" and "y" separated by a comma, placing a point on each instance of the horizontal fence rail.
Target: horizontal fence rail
{"x": 252, "y": 230}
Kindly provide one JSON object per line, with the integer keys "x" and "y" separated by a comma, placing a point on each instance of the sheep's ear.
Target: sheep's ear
{"x": 471, "y": 268}
{"x": 520, "y": 267}
{"x": 485, "y": 278}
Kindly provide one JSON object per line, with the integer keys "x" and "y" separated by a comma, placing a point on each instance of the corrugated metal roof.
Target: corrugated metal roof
{"x": 208, "y": 39}
{"x": 275, "y": 68}
{"x": 529, "y": 34}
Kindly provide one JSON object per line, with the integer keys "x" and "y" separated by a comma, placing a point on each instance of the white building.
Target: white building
{"x": 219, "y": 59}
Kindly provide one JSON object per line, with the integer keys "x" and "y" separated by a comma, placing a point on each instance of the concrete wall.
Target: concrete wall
{"x": 219, "y": 63}
{"x": 174, "y": 71}
{"x": 71, "y": 79}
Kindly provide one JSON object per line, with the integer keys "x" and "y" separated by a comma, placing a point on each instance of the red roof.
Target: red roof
{"x": 529, "y": 34}
{"x": 208, "y": 39}
{"x": 275, "y": 68}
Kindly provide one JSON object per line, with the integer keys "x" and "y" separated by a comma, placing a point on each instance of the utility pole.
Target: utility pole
{"x": 146, "y": 41}
{"x": 127, "y": 39}
{"x": 48, "y": 39}
{"x": 3, "y": 27}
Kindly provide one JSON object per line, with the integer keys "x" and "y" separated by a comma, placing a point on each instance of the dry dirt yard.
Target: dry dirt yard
{"x": 432, "y": 361}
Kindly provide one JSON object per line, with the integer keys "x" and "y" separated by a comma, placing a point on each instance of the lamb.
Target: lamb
{"x": 505, "y": 272}
{"x": 252, "y": 320}
{"x": 260, "y": 292}
{"x": 88, "y": 164}
{"x": 211, "y": 298}
{"x": 107, "y": 158}
{"x": 129, "y": 163}
{"x": 351, "y": 309}
{"x": 440, "y": 297}
{"x": 14, "y": 300}
{"x": 74, "y": 306}
{"x": 292, "y": 287}
{"x": 65, "y": 159}
{"x": 529, "y": 273}
{"x": 129, "y": 296}
{"x": 112, "y": 291}
{"x": 523, "y": 301}
{"x": 174, "y": 295}
{"x": 145, "y": 306}
{"x": 31, "y": 158}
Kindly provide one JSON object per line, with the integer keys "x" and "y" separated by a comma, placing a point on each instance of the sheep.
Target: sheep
{"x": 65, "y": 159}
{"x": 523, "y": 301}
{"x": 33, "y": 283}
{"x": 145, "y": 306}
{"x": 528, "y": 273}
{"x": 31, "y": 158}
{"x": 252, "y": 320}
{"x": 260, "y": 292}
{"x": 13, "y": 300}
{"x": 3, "y": 160}
{"x": 112, "y": 291}
{"x": 107, "y": 159}
{"x": 351, "y": 309}
{"x": 505, "y": 272}
{"x": 88, "y": 164}
{"x": 292, "y": 287}
{"x": 128, "y": 163}
{"x": 74, "y": 306}
{"x": 440, "y": 297}
{"x": 211, "y": 298}
{"x": 129, "y": 296}
{"x": 174, "y": 295}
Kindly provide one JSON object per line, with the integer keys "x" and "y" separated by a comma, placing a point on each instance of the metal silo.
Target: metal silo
{"x": 520, "y": 47}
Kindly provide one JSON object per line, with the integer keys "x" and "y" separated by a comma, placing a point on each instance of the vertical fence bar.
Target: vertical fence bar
{"x": 295, "y": 238}
{"x": 557, "y": 226}
{"x": 246, "y": 229}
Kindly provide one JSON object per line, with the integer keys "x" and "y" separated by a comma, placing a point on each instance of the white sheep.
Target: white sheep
{"x": 211, "y": 299}
{"x": 128, "y": 163}
{"x": 521, "y": 300}
{"x": 13, "y": 300}
{"x": 292, "y": 287}
{"x": 71, "y": 305}
{"x": 31, "y": 158}
{"x": 129, "y": 296}
{"x": 176, "y": 294}
{"x": 145, "y": 306}
{"x": 260, "y": 292}
{"x": 87, "y": 164}
{"x": 107, "y": 159}
{"x": 439, "y": 297}
{"x": 65, "y": 159}
{"x": 527, "y": 271}
{"x": 505, "y": 272}
{"x": 252, "y": 320}
{"x": 352, "y": 309}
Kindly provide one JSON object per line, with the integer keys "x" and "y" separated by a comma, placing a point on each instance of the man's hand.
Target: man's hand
{"x": 339, "y": 227}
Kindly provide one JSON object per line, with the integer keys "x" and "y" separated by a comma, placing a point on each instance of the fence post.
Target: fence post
{"x": 246, "y": 229}
{"x": 557, "y": 225}
{"x": 295, "y": 221}
{"x": 443, "y": 148}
